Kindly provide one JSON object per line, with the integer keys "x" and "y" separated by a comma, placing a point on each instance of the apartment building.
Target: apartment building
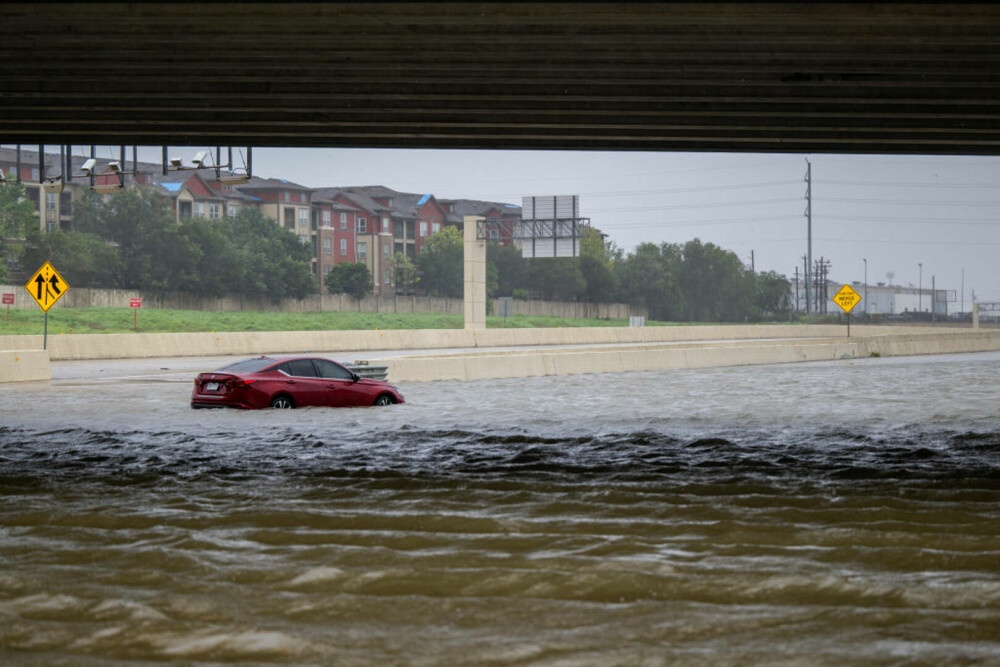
{"x": 337, "y": 225}
{"x": 366, "y": 224}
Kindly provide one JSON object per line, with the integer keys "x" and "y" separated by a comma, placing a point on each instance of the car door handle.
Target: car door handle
{"x": 290, "y": 382}
{"x": 331, "y": 386}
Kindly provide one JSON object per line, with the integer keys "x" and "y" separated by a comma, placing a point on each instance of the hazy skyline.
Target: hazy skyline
{"x": 895, "y": 211}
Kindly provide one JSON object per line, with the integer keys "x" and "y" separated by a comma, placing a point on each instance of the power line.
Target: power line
{"x": 908, "y": 202}
{"x": 693, "y": 223}
{"x": 700, "y": 205}
{"x": 873, "y": 184}
{"x": 916, "y": 221}
{"x": 705, "y": 188}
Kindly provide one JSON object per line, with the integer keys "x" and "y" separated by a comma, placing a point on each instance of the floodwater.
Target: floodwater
{"x": 827, "y": 514}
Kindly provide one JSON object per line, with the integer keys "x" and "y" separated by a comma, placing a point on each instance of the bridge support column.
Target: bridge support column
{"x": 475, "y": 276}
{"x": 975, "y": 316}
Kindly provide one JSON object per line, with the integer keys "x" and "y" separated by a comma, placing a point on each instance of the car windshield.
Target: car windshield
{"x": 246, "y": 366}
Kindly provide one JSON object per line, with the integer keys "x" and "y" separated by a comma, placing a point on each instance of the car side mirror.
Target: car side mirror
{"x": 355, "y": 377}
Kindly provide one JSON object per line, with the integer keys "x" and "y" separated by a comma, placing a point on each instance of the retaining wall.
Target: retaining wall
{"x": 86, "y": 297}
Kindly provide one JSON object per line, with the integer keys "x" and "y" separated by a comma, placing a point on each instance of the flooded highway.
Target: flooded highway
{"x": 824, "y": 513}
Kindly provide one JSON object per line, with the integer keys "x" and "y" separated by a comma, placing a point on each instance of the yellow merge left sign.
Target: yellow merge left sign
{"x": 847, "y": 298}
{"x": 46, "y": 286}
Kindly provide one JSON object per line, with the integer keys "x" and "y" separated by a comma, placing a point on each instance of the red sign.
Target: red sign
{"x": 8, "y": 298}
{"x": 135, "y": 303}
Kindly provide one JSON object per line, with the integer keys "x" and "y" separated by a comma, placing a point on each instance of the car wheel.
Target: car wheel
{"x": 283, "y": 402}
{"x": 384, "y": 399}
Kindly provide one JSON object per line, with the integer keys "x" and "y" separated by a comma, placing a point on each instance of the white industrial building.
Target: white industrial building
{"x": 881, "y": 299}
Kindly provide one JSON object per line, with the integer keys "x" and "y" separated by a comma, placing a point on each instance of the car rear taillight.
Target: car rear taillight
{"x": 241, "y": 383}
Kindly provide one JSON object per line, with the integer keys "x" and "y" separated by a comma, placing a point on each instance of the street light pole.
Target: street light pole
{"x": 866, "y": 284}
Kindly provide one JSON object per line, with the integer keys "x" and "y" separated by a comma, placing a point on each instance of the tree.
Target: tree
{"x": 557, "y": 278}
{"x": 347, "y": 278}
{"x": 274, "y": 261}
{"x": 597, "y": 268}
{"x": 510, "y": 266}
{"x": 405, "y": 273}
{"x": 18, "y": 215}
{"x": 649, "y": 278}
{"x": 85, "y": 260}
{"x": 441, "y": 263}
{"x": 773, "y": 292}
{"x": 716, "y": 285}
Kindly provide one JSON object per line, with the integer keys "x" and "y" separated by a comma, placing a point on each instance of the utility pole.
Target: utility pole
{"x": 796, "y": 289}
{"x": 866, "y": 284}
{"x": 933, "y": 300}
{"x": 809, "y": 234}
{"x": 752, "y": 269}
{"x": 963, "y": 290}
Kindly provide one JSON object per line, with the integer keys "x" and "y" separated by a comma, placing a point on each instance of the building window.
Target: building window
{"x": 386, "y": 249}
{"x": 385, "y": 276}
{"x": 327, "y": 246}
{"x": 302, "y": 198}
{"x": 288, "y": 198}
{"x": 13, "y": 260}
{"x": 343, "y": 246}
{"x": 326, "y": 218}
{"x": 423, "y": 228}
{"x": 362, "y": 226}
{"x": 34, "y": 174}
{"x": 214, "y": 211}
{"x": 199, "y": 209}
{"x": 50, "y": 202}
{"x": 303, "y": 239}
{"x": 50, "y": 226}
{"x": 494, "y": 234}
{"x": 343, "y": 221}
{"x": 232, "y": 211}
{"x": 304, "y": 217}
{"x": 385, "y": 225}
{"x": 435, "y": 227}
{"x": 362, "y": 250}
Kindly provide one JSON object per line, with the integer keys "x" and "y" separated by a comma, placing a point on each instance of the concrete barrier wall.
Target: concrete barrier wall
{"x": 480, "y": 366}
{"x": 139, "y": 345}
{"x": 24, "y": 365}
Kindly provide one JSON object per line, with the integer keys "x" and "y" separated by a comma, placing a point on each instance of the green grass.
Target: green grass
{"x": 119, "y": 320}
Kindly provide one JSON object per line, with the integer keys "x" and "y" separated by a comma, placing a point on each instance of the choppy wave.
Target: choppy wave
{"x": 527, "y": 522}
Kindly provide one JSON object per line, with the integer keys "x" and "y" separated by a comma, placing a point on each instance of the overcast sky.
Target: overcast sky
{"x": 896, "y": 212}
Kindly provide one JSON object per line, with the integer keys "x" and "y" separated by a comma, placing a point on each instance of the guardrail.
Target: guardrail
{"x": 365, "y": 370}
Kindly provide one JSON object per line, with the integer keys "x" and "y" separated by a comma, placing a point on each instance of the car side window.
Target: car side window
{"x": 330, "y": 370}
{"x": 301, "y": 368}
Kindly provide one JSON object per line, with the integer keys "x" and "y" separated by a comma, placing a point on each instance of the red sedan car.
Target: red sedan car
{"x": 289, "y": 383}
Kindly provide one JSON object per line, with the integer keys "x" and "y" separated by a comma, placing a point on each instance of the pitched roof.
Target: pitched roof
{"x": 256, "y": 183}
{"x": 464, "y": 207}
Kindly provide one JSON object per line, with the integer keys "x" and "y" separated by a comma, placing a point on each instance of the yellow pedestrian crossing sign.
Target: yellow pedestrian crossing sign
{"x": 46, "y": 286}
{"x": 847, "y": 298}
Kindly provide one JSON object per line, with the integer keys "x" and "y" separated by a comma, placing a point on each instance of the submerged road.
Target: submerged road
{"x": 821, "y": 513}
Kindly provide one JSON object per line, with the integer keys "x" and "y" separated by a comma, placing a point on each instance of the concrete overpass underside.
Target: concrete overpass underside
{"x": 809, "y": 77}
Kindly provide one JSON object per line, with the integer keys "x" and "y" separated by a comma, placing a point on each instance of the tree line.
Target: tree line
{"x": 694, "y": 281}
{"x": 133, "y": 241}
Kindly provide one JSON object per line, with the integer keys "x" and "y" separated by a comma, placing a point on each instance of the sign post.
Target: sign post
{"x": 8, "y": 299}
{"x": 135, "y": 305}
{"x": 847, "y": 298}
{"x": 46, "y": 287}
